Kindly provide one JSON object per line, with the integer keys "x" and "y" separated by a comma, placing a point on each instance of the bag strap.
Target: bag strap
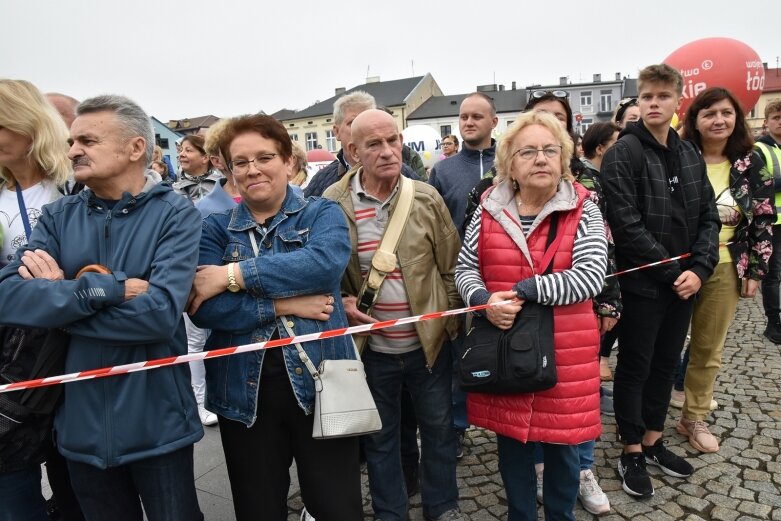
{"x": 384, "y": 259}
{"x": 23, "y": 212}
{"x": 301, "y": 353}
{"x": 552, "y": 245}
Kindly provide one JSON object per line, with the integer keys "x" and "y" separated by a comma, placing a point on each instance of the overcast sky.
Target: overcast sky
{"x": 227, "y": 57}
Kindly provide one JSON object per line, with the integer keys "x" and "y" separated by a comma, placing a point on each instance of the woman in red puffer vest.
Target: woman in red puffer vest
{"x": 501, "y": 259}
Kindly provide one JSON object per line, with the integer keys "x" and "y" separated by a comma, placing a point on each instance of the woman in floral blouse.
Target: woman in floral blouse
{"x": 715, "y": 122}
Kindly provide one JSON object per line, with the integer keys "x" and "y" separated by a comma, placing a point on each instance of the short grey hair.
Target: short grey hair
{"x": 357, "y": 98}
{"x": 132, "y": 118}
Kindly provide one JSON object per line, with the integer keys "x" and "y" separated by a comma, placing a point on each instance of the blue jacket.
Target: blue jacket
{"x": 455, "y": 177}
{"x": 153, "y": 236}
{"x": 216, "y": 201}
{"x": 334, "y": 171}
{"x": 304, "y": 252}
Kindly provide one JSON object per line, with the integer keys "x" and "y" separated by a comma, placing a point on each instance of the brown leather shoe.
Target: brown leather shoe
{"x": 699, "y": 436}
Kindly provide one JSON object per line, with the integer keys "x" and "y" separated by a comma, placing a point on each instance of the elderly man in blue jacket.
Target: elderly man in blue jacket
{"x": 128, "y": 439}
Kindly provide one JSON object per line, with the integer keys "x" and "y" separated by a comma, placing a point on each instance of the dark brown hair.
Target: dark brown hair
{"x": 266, "y": 126}
{"x": 198, "y": 142}
{"x": 739, "y": 143}
{"x": 597, "y": 134}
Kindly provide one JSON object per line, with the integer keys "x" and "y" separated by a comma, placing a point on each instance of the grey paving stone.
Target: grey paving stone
{"x": 723, "y": 514}
{"x": 754, "y": 509}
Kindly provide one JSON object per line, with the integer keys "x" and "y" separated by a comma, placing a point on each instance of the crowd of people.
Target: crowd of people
{"x": 111, "y": 257}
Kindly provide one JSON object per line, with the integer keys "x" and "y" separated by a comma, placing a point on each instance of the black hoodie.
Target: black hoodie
{"x": 665, "y": 209}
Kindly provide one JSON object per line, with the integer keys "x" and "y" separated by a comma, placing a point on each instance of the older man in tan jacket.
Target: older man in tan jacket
{"x": 416, "y": 277}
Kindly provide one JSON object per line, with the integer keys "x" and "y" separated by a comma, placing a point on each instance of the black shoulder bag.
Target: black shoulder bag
{"x": 517, "y": 360}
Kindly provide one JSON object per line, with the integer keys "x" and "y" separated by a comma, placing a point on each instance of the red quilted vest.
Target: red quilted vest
{"x": 569, "y": 412}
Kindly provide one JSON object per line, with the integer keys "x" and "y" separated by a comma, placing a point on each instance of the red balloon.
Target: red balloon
{"x": 719, "y": 62}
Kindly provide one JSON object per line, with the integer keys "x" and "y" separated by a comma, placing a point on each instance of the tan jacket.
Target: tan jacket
{"x": 427, "y": 255}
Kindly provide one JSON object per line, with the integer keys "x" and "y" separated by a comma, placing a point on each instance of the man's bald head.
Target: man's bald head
{"x": 376, "y": 143}
{"x": 369, "y": 119}
{"x": 65, "y": 105}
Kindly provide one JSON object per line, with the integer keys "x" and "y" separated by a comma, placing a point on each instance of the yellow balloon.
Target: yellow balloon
{"x": 674, "y": 122}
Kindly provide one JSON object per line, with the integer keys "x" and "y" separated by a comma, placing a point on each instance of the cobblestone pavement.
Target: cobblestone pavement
{"x": 741, "y": 481}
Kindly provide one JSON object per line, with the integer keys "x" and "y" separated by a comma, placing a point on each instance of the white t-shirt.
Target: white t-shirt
{"x": 11, "y": 221}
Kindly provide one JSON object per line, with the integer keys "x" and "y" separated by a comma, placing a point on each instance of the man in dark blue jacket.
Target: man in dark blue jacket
{"x": 131, "y": 436}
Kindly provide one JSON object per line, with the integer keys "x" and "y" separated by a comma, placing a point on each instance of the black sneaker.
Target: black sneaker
{"x": 460, "y": 435}
{"x": 773, "y": 332}
{"x": 671, "y": 464}
{"x": 637, "y": 482}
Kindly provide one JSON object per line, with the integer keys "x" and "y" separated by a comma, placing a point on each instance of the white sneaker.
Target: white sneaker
{"x": 590, "y": 494}
{"x": 207, "y": 418}
{"x": 306, "y": 516}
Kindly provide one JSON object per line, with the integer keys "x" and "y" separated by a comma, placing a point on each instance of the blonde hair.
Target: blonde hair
{"x": 212, "y": 142}
{"x": 505, "y": 151}
{"x": 24, "y": 111}
{"x": 300, "y": 165}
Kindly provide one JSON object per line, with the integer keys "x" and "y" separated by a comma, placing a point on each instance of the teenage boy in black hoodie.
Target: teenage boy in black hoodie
{"x": 660, "y": 205}
{"x": 770, "y": 147}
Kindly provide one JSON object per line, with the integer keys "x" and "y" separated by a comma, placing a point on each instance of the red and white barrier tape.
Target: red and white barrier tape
{"x": 226, "y": 351}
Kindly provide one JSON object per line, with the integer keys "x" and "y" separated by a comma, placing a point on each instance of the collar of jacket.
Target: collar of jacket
{"x": 501, "y": 200}
{"x": 471, "y": 155}
{"x": 128, "y": 202}
{"x": 243, "y": 220}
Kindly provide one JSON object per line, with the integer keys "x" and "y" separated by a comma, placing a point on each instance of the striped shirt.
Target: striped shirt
{"x": 583, "y": 281}
{"x": 371, "y": 217}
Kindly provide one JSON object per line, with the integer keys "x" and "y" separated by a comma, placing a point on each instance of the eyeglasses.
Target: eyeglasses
{"x": 447, "y": 144}
{"x": 537, "y": 94}
{"x": 241, "y": 166}
{"x": 530, "y": 154}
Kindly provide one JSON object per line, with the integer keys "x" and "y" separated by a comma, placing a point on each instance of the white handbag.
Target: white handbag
{"x": 343, "y": 404}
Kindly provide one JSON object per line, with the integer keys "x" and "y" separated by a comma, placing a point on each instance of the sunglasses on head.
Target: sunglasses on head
{"x": 537, "y": 94}
{"x": 623, "y": 105}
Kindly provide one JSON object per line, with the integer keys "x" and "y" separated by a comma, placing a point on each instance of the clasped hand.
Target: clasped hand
{"x": 503, "y": 316}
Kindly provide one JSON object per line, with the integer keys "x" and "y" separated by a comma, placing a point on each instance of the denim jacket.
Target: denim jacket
{"x": 304, "y": 251}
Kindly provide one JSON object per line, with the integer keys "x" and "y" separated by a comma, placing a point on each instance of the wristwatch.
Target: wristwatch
{"x": 233, "y": 287}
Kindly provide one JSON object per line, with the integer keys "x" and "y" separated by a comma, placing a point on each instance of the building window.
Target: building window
{"x": 606, "y": 101}
{"x": 510, "y": 123}
{"x": 311, "y": 141}
{"x": 585, "y": 98}
{"x": 582, "y": 127}
{"x": 294, "y": 137}
{"x": 330, "y": 141}
{"x": 444, "y": 130}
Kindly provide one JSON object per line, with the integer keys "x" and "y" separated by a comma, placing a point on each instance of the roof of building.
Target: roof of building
{"x": 186, "y": 124}
{"x": 283, "y": 114}
{"x": 445, "y": 106}
{"x": 772, "y": 80}
{"x": 387, "y": 93}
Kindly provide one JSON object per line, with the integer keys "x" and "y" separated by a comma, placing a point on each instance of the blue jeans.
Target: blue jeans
{"x": 680, "y": 370}
{"x": 460, "y": 422}
{"x": 430, "y": 392}
{"x": 561, "y": 478}
{"x": 165, "y": 485}
{"x": 585, "y": 454}
{"x": 20, "y": 496}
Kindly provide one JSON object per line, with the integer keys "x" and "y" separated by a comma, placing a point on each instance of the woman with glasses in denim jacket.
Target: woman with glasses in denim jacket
{"x": 272, "y": 268}
{"x": 715, "y": 122}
